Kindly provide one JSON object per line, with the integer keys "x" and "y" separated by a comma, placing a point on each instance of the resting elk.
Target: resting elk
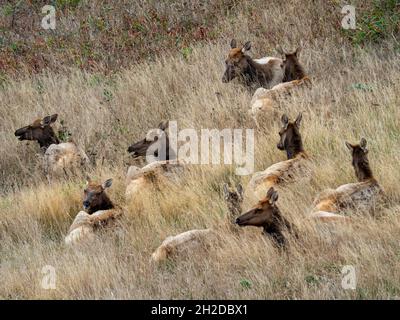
{"x": 266, "y": 101}
{"x": 154, "y": 146}
{"x": 57, "y": 156}
{"x": 265, "y": 72}
{"x": 284, "y": 171}
{"x": 267, "y": 215}
{"x": 196, "y": 239}
{"x": 139, "y": 179}
{"x": 99, "y": 212}
{"x": 293, "y": 69}
{"x": 362, "y": 195}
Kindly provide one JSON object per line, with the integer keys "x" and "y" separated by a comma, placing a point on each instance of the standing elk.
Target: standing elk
{"x": 284, "y": 171}
{"x": 362, "y": 195}
{"x": 99, "y": 212}
{"x": 267, "y": 215}
{"x": 57, "y": 156}
{"x": 265, "y": 72}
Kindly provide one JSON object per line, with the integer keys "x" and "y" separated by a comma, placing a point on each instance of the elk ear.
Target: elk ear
{"x": 363, "y": 143}
{"x": 298, "y": 120}
{"x": 285, "y": 120}
{"x": 272, "y": 195}
{"x": 280, "y": 50}
{"x": 88, "y": 180}
{"x": 106, "y": 184}
{"x": 247, "y": 46}
{"x": 349, "y": 145}
{"x": 49, "y": 119}
{"x": 297, "y": 52}
{"x": 233, "y": 43}
{"x": 226, "y": 191}
{"x": 240, "y": 190}
{"x": 163, "y": 125}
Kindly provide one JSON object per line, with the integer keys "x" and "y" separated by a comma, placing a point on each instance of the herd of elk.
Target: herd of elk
{"x": 275, "y": 76}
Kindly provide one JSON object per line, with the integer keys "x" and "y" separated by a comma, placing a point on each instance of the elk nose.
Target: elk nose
{"x": 237, "y": 221}
{"x": 279, "y": 146}
{"x": 86, "y": 204}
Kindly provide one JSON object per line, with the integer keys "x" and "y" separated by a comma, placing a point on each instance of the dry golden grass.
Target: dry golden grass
{"x": 106, "y": 115}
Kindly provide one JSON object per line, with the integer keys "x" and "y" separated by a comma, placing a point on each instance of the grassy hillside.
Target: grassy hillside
{"x": 355, "y": 93}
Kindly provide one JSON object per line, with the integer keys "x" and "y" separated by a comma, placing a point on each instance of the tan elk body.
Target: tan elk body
{"x": 362, "y": 195}
{"x": 284, "y": 171}
{"x": 57, "y": 157}
{"x": 99, "y": 212}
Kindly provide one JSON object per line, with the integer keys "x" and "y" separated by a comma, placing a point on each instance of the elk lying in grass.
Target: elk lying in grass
{"x": 266, "y": 101}
{"x": 153, "y": 144}
{"x": 284, "y": 171}
{"x": 362, "y": 195}
{"x": 293, "y": 69}
{"x": 184, "y": 242}
{"x": 197, "y": 239}
{"x": 99, "y": 212}
{"x": 267, "y": 215}
{"x": 57, "y": 156}
{"x": 139, "y": 179}
{"x": 188, "y": 242}
{"x": 265, "y": 72}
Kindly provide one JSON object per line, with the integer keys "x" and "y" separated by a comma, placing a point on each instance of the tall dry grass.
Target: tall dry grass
{"x": 355, "y": 93}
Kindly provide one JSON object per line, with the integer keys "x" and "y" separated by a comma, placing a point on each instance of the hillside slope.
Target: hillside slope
{"x": 355, "y": 93}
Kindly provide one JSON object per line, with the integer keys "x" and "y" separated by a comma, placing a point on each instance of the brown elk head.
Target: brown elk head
{"x": 360, "y": 161}
{"x": 156, "y": 143}
{"x": 266, "y": 214}
{"x": 234, "y": 199}
{"x": 41, "y": 131}
{"x": 95, "y": 198}
{"x": 236, "y": 62}
{"x": 290, "y": 138}
{"x": 293, "y": 68}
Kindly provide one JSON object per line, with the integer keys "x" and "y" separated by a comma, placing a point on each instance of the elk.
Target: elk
{"x": 266, "y": 101}
{"x": 284, "y": 171}
{"x": 155, "y": 145}
{"x": 99, "y": 212}
{"x": 233, "y": 199}
{"x": 362, "y": 195}
{"x": 293, "y": 69}
{"x": 265, "y": 72}
{"x": 139, "y": 179}
{"x": 183, "y": 242}
{"x": 196, "y": 239}
{"x": 57, "y": 156}
{"x": 267, "y": 215}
